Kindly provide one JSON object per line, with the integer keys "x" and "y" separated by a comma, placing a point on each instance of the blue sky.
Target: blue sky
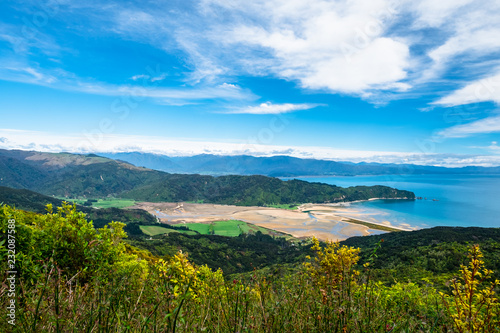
{"x": 377, "y": 81}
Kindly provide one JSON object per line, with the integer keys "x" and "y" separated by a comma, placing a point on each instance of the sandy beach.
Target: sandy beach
{"x": 326, "y": 222}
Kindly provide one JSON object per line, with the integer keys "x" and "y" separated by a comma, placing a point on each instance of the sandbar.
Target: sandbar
{"x": 324, "y": 221}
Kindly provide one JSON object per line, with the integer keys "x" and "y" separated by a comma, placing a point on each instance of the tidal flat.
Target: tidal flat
{"x": 324, "y": 221}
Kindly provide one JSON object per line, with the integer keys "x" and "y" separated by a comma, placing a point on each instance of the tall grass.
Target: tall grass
{"x": 134, "y": 292}
{"x": 178, "y": 297}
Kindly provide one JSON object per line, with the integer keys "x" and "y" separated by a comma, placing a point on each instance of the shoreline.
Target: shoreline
{"x": 353, "y": 218}
{"x": 365, "y": 200}
{"x": 324, "y": 221}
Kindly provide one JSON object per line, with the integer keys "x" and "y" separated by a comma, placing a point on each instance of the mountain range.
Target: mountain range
{"x": 92, "y": 176}
{"x": 280, "y": 166}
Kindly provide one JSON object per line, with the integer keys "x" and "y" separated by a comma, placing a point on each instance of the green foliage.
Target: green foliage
{"x": 232, "y": 254}
{"x": 35, "y": 202}
{"x": 78, "y": 279}
{"x": 333, "y": 265}
{"x": 103, "y": 203}
{"x": 472, "y": 307}
{"x": 254, "y": 191}
{"x": 284, "y": 206}
{"x": 65, "y": 239}
{"x": 428, "y": 255}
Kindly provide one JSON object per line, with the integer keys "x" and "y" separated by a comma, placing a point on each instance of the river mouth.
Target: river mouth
{"x": 325, "y": 222}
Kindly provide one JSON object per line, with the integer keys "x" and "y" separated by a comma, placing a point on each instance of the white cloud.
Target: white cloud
{"x": 140, "y": 76}
{"x": 466, "y": 37}
{"x": 483, "y": 126}
{"x": 334, "y": 46}
{"x": 159, "y": 77}
{"x": 432, "y": 13}
{"x": 269, "y": 108}
{"x": 100, "y": 142}
{"x": 358, "y": 47}
{"x": 146, "y": 89}
{"x": 483, "y": 90}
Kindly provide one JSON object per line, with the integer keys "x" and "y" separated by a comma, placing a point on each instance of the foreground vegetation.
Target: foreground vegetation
{"x": 74, "y": 278}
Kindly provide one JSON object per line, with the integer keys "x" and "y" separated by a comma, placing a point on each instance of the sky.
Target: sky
{"x": 374, "y": 80}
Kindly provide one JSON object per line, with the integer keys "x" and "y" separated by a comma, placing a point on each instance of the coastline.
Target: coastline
{"x": 324, "y": 221}
{"x": 371, "y": 199}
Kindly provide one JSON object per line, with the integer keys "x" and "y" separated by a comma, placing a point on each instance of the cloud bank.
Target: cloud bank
{"x": 114, "y": 143}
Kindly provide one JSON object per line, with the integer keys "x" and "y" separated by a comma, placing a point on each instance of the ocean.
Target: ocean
{"x": 452, "y": 200}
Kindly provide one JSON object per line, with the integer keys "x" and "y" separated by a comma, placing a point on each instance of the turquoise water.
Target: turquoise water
{"x": 464, "y": 200}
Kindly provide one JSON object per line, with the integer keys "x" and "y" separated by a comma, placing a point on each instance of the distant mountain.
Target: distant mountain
{"x": 280, "y": 166}
{"x": 150, "y": 161}
{"x": 91, "y": 176}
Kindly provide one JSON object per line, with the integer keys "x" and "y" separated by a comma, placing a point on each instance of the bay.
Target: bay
{"x": 452, "y": 200}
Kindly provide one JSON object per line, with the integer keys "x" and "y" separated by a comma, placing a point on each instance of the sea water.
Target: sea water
{"x": 451, "y": 200}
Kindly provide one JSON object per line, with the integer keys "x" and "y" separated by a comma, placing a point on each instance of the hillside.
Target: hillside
{"x": 433, "y": 254}
{"x": 34, "y": 202}
{"x": 91, "y": 176}
{"x": 70, "y": 175}
{"x": 255, "y": 191}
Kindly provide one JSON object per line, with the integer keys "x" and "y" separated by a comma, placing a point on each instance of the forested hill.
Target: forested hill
{"x": 255, "y": 190}
{"x": 35, "y": 202}
{"x": 91, "y": 176}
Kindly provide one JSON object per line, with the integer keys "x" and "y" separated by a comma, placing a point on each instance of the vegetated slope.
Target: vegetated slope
{"x": 57, "y": 252}
{"x": 29, "y": 200}
{"x": 34, "y": 202}
{"x": 434, "y": 254}
{"x": 241, "y": 254}
{"x": 92, "y": 176}
{"x": 255, "y": 190}
{"x": 15, "y": 173}
{"x": 281, "y": 166}
{"x": 70, "y": 175}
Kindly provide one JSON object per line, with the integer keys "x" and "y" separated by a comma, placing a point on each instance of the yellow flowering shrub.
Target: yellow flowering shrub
{"x": 473, "y": 307}
{"x": 179, "y": 273}
{"x": 333, "y": 264}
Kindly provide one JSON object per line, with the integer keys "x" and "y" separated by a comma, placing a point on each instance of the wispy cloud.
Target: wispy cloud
{"x": 483, "y": 90}
{"x": 62, "y": 80}
{"x": 376, "y": 49}
{"x": 269, "y": 108}
{"x": 483, "y": 126}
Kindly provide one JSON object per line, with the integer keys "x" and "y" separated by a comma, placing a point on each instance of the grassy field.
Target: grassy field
{"x": 202, "y": 228}
{"x": 153, "y": 230}
{"x": 230, "y": 228}
{"x": 104, "y": 203}
{"x": 116, "y": 203}
{"x": 284, "y": 206}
